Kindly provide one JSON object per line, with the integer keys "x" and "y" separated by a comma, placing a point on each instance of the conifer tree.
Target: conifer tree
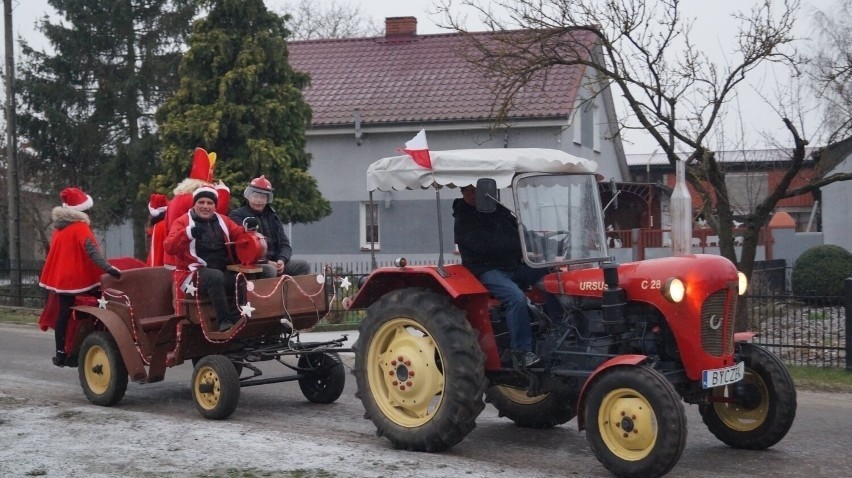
{"x": 88, "y": 100}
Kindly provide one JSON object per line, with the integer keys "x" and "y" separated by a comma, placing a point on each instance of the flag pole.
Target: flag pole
{"x": 440, "y": 232}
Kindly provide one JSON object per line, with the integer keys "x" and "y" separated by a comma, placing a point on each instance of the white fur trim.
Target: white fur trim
{"x": 60, "y": 213}
{"x": 83, "y": 205}
{"x": 156, "y": 211}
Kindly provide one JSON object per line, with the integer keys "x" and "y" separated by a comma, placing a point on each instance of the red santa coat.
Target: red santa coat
{"x": 183, "y": 202}
{"x": 181, "y": 245}
{"x": 68, "y": 268}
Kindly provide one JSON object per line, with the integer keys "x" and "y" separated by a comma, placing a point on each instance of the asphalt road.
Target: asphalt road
{"x": 47, "y": 427}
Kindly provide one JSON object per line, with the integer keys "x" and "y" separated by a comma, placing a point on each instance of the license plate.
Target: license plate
{"x": 722, "y": 376}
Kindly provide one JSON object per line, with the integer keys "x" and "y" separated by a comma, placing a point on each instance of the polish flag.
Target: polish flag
{"x": 419, "y": 150}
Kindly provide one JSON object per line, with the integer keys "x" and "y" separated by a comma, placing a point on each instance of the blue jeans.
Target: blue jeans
{"x": 507, "y": 288}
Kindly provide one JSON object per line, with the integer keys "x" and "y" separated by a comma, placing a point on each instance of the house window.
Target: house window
{"x": 596, "y": 128}
{"x": 369, "y": 225}
{"x": 589, "y": 136}
{"x": 578, "y": 125}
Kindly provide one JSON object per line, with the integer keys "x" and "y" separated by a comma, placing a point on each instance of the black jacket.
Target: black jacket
{"x": 486, "y": 240}
{"x": 210, "y": 246}
{"x": 277, "y": 242}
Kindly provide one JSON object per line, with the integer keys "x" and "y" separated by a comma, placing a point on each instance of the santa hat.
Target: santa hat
{"x": 157, "y": 204}
{"x": 74, "y": 198}
{"x": 202, "y": 165}
{"x": 205, "y": 192}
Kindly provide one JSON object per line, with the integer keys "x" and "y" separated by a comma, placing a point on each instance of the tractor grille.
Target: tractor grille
{"x": 717, "y": 323}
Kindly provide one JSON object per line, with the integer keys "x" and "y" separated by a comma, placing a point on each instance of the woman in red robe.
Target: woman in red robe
{"x": 74, "y": 263}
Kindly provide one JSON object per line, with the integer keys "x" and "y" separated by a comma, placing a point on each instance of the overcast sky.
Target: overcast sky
{"x": 712, "y": 33}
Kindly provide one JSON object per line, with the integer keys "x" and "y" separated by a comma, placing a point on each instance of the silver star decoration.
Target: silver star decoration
{"x": 344, "y": 284}
{"x": 247, "y": 309}
{"x": 102, "y": 303}
{"x": 190, "y": 289}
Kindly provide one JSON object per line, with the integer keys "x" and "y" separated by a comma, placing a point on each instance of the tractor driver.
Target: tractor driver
{"x": 491, "y": 249}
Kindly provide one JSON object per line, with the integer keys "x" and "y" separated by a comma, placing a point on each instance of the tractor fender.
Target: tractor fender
{"x": 455, "y": 281}
{"x": 744, "y": 336}
{"x": 631, "y": 360}
{"x": 123, "y": 338}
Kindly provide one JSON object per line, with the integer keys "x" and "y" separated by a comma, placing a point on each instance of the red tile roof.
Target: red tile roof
{"x": 417, "y": 79}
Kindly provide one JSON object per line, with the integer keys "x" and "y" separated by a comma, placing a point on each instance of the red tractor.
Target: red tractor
{"x": 633, "y": 339}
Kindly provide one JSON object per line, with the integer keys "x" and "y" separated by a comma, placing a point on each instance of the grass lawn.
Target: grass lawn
{"x": 822, "y": 379}
{"x": 13, "y": 315}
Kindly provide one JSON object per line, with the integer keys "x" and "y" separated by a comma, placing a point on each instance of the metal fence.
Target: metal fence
{"x": 800, "y": 331}
{"x": 32, "y": 296}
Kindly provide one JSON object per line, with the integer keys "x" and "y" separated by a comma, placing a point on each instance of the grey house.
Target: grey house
{"x": 371, "y": 95}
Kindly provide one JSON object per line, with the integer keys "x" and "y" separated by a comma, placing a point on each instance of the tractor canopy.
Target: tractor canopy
{"x": 462, "y": 167}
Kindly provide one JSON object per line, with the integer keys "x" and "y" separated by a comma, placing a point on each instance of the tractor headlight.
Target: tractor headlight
{"x": 674, "y": 290}
{"x": 743, "y": 283}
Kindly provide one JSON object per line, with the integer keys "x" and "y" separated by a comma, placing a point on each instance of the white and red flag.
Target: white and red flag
{"x": 418, "y": 149}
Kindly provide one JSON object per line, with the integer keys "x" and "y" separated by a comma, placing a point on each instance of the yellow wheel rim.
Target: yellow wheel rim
{"x": 404, "y": 370}
{"x": 98, "y": 370}
{"x": 207, "y": 379}
{"x": 519, "y": 395}
{"x": 627, "y": 424}
{"x": 735, "y": 416}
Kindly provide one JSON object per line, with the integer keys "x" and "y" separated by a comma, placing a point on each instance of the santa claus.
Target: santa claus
{"x": 200, "y": 175}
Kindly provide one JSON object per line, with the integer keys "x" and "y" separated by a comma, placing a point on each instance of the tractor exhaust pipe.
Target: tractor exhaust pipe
{"x": 613, "y": 300}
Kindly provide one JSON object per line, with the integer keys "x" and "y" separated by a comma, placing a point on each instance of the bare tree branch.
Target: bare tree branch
{"x": 643, "y": 48}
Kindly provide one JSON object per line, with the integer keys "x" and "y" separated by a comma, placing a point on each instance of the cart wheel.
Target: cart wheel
{"x": 323, "y": 378}
{"x": 215, "y": 387}
{"x": 237, "y": 366}
{"x": 101, "y": 369}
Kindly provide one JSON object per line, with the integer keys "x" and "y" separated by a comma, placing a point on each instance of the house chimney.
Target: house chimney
{"x": 400, "y": 27}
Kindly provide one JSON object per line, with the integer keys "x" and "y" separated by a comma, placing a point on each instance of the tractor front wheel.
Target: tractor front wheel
{"x": 758, "y": 411}
{"x": 636, "y": 425}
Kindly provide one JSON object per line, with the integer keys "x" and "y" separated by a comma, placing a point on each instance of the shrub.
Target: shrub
{"x": 820, "y": 271}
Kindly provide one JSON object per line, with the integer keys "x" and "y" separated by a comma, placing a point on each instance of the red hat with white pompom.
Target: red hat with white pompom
{"x": 76, "y": 199}
{"x": 157, "y": 204}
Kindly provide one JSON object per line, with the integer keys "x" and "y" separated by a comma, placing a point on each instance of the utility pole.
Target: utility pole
{"x": 12, "y": 163}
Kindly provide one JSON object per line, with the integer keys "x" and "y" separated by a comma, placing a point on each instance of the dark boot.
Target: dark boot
{"x": 60, "y": 358}
{"x": 71, "y": 361}
{"x": 523, "y": 359}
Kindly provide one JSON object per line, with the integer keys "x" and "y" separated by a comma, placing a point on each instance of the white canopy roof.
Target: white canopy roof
{"x": 462, "y": 167}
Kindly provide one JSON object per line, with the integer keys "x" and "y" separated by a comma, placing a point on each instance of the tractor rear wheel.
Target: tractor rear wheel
{"x": 419, "y": 370}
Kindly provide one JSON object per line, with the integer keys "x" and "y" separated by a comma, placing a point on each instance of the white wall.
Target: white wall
{"x": 836, "y": 210}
